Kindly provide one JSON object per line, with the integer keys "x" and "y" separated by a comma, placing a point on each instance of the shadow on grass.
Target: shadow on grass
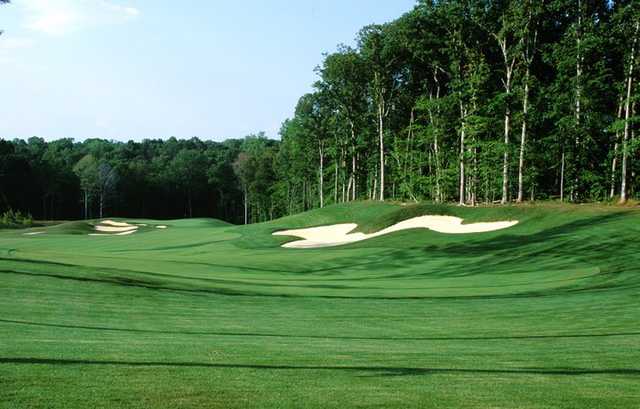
{"x": 352, "y": 338}
{"x": 367, "y": 370}
{"x": 567, "y": 238}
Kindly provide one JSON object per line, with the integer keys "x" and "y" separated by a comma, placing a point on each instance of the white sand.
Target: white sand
{"x": 339, "y": 234}
{"x": 110, "y": 229}
{"x": 161, "y": 227}
{"x": 115, "y": 228}
{"x": 124, "y": 233}
{"x": 35, "y": 233}
{"x": 114, "y": 224}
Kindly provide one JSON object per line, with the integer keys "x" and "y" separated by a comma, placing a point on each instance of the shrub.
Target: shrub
{"x": 13, "y": 219}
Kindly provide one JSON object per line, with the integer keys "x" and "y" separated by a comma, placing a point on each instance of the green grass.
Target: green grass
{"x": 204, "y": 314}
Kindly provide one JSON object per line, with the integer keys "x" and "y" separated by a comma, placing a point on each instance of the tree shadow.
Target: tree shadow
{"x": 377, "y": 371}
{"x": 322, "y": 337}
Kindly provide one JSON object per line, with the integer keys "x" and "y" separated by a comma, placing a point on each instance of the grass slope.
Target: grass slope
{"x": 204, "y": 314}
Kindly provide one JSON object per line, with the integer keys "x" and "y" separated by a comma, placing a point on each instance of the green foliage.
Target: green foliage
{"x": 15, "y": 219}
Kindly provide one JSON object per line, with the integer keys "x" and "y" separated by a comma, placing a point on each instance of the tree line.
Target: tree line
{"x": 466, "y": 101}
{"x": 477, "y": 101}
{"x": 65, "y": 179}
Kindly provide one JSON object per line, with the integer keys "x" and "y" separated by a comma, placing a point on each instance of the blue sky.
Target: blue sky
{"x": 135, "y": 69}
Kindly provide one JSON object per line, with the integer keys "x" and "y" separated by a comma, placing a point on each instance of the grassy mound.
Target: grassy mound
{"x": 205, "y": 314}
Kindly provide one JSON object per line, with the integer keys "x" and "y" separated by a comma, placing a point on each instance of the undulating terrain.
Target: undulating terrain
{"x": 545, "y": 314}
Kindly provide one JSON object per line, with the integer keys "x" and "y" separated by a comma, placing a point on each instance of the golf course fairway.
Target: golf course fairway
{"x": 202, "y": 314}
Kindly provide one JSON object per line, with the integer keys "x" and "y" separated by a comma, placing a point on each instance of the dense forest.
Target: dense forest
{"x": 471, "y": 102}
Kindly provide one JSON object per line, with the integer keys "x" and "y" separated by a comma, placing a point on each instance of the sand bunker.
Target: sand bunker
{"x": 161, "y": 227}
{"x": 35, "y": 233}
{"x": 114, "y": 224}
{"x": 124, "y": 233}
{"x": 340, "y": 234}
{"x": 114, "y": 228}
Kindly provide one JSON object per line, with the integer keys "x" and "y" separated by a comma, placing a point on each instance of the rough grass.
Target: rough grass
{"x": 204, "y": 314}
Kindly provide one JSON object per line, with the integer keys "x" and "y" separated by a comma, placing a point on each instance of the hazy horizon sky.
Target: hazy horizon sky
{"x": 135, "y": 69}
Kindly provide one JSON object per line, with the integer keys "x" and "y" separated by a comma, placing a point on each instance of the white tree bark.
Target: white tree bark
{"x": 528, "y": 54}
{"x": 246, "y": 206}
{"x": 463, "y": 114}
{"x": 578, "y": 102}
{"x": 509, "y": 64}
{"x": 436, "y": 147}
{"x": 381, "y": 141}
{"x": 625, "y": 143}
{"x": 614, "y": 161}
{"x": 562, "y": 166}
{"x": 320, "y": 147}
{"x": 523, "y": 137}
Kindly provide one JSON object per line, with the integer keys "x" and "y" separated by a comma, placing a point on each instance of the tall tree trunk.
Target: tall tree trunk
{"x": 304, "y": 194}
{"x": 246, "y": 206}
{"x": 321, "y": 175}
{"x": 528, "y": 54}
{"x": 86, "y": 205}
{"x": 381, "y": 142}
{"x": 578, "y": 103}
{"x": 614, "y": 160}
{"x": 627, "y": 117}
{"x": 101, "y": 203}
{"x": 509, "y": 63}
{"x": 407, "y": 168}
{"x": 562, "y": 166}
{"x": 463, "y": 114}
{"x": 375, "y": 185}
{"x": 505, "y": 162}
{"x": 523, "y": 137}
{"x": 352, "y": 128}
{"x": 335, "y": 188}
{"x": 436, "y": 147}
{"x": 474, "y": 182}
{"x": 354, "y": 158}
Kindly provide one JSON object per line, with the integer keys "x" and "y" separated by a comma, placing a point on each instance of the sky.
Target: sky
{"x": 136, "y": 69}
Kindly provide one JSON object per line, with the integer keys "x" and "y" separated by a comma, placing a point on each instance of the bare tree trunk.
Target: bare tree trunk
{"x": 505, "y": 164}
{"x": 101, "y": 203}
{"x": 509, "y": 63}
{"x": 354, "y": 192}
{"x": 86, "y": 204}
{"x": 335, "y": 189}
{"x": 375, "y": 185}
{"x": 614, "y": 161}
{"x": 523, "y": 137}
{"x": 578, "y": 107}
{"x": 353, "y": 159}
{"x": 246, "y": 206}
{"x": 463, "y": 114}
{"x": 528, "y": 54}
{"x": 381, "y": 142}
{"x": 625, "y": 143}
{"x": 408, "y": 158}
{"x": 474, "y": 182}
{"x": 321, "y": 175}
{"x": 562, "y": 166}
{"x": 436, "y": 147}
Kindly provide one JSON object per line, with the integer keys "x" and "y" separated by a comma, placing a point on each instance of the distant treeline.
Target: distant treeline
{"x": 466, "y": 101}
{"x": 152, "y": 179}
